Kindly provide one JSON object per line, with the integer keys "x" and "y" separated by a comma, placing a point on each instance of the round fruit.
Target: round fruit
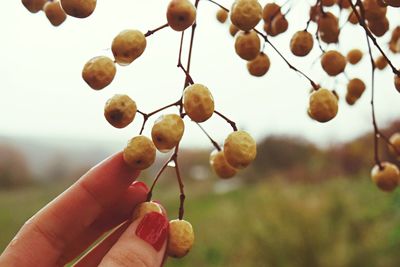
{"x": 233, "y": 30}
{"x": 198, "y": 102}
{"x": 395, "y": 141}
{"x": 99, "y": 72}
{"x": 386, "y": 179}
{"x": 354, "y": 56}
{"x": 167, "y": 131}
{"x": 381, "y": 63}
{"x": 54, "y": 13}
{"x": 180, "y": 238}
{"x": 355, "y": 87}
{"x": 328, "y": 2}
{"x": 246, "y": 14}
{"x": 144, "y": 208}
{"x": 221, "y": 166}
{"x": 397, "y": 82}
{"x": 279, "y": 24}
{"x": 379, "y": 27}
{"x": 127, "y": 46}
{"x": 350, "y": 99}
{"x": 78, "y": 8}
{"x": 140, "y": 152}
{"x": 181, "y": 14}
{"x": 333, "y": 62}
{"x": 34, "y": 6}
{"x": 353, "y": 18}
{"x": 374, "y": 11}
{"x": 270, "y": 10}
{"x": 247, "y": 45}
{"x": 240, "y": 149}
{"x": 323, "y": 105}
{"x": 301, "y": 43}
{"x": 222, "y": 15}
{"x": 328, "y": 28}
{"x": 259, "y": 66}
{"x": 120, "y": 110}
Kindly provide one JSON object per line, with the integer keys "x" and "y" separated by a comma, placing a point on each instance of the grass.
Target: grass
{"x": 339, "y": 223}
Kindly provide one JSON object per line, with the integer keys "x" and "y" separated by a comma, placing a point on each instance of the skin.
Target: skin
{"x": 99, "y": 201}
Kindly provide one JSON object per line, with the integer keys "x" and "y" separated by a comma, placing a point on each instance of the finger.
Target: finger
{"x": 42, "y": 239}
{"x": 95, "y": 255}
{"x": 142, "y": 244}
{"x": 135, "y": 194}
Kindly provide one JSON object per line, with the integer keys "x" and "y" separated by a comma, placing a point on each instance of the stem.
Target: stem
{"x": 179, "y": 65}
{"x": 181, "y": 185}
{"x": 232, "y": 123}
{"x": 221, "y": 6}
{"x": 150, "y": 32}
{"x": 150, "y": 193}
{"x": 361, "y": 20}
{"x": 215, "y": 144}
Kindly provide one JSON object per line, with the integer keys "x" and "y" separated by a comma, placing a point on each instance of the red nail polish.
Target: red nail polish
{"x": 141, "y": 185}
{"x": 153, "y": 229}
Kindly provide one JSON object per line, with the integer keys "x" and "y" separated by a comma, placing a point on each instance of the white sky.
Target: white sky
{"x": 42, "y": 93}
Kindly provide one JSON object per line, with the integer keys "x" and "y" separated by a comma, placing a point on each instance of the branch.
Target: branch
{"x": 150, "y": 32}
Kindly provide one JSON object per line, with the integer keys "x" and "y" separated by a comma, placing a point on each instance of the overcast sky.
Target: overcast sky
{"x": 43, "y": 94}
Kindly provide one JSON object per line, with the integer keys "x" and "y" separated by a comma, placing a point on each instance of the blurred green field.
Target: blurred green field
{"x": 338, "y": 223}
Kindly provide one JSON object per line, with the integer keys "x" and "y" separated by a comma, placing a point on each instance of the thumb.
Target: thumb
{"x": 142, "y": 244}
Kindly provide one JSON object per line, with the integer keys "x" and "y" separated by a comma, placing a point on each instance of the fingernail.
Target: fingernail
{"x": 141, "y": 185}
{"x": 153, "y": 229}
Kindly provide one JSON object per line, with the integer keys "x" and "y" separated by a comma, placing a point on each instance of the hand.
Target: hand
{"x": 101, "y": 200}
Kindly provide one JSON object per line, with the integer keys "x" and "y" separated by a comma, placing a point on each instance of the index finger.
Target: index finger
{"x": 42, "y": 239}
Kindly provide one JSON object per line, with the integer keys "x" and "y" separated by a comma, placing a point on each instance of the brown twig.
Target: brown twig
{"x": 231, "y": 122}
{"x": 215, "y": 144}
{"x": 179, "y": 65}
{"x": 150, "y": 32}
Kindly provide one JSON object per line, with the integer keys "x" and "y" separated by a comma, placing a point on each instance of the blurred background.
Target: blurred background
{"x": 307, "y": 200}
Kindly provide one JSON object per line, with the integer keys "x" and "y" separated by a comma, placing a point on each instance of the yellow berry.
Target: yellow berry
{"x": 140, "y": 152}
{"x": 301, "y": 43}
{"x": 167, "y": 132}
{"x": 181, "y": 14}
{"x": 323, "y": 105}
{"x": 144, "y": 208}
{"x": 222, "y": 15}
{"x": 198, "y": 102}
{"x": 333, "y": 62}
{"x": 245, "y": 14}
{"x": 54, "y": 13}
{"x": 247, "y": 45}
{"x": 386, "y": 179}
{"x": 220, "y": 166}
{"x": 259, "y": 66}
{"x": 240, "y": 149}
{"x": 78, "y": 8}
{"x": 355, "y": 88}
{"x": 354, "y": 56}
{"x": 395, "y": 141}
{"x": 180, "y": 238}
{"x": 120, "y": 110}
{"x": 99, "y": 72}
{"x": 34, "y": 6}
{"x": 127, "y": 46}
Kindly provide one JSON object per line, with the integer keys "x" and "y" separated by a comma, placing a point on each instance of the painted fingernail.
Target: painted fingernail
{"x": 141, "y": 185}
{"x": 153, "y": 229}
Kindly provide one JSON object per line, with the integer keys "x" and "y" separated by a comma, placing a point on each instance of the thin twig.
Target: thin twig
{"x": 231, "y": 122}
{"x": 215, "y": 144}
{"x": 150, "y": 32}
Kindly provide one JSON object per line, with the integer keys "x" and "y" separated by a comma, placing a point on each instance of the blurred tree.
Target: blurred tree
{"x": 14, "y": 169}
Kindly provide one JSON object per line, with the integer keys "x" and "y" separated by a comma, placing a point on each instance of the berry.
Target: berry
{"x": 181, "y": 14}
{"x": 279, "y": 24}
{"x": 221, "y": 166}
{"x": 395, "y": 141}
{"x": 333, "y": 62}
{"x": 167, "y": 131}
{"x": 240, "y": 149}
{"x": 328, "y": 2}
{"x": 180, "y": 238}
{"x": 127, "y": 46}
{"x": 259, "y": 66}
{"x": 381, "y": 63}
{"x": 54, "y": 13}
{"x": 233, "y": 30}
{"x": 386, "y": 179}
{"x": 301, "y": 43}
{"x": 354, "y": 56}
{"x": 323, "y": 105}
{"x": 78, "y": 8}
{"x": 222, "y": 15}
{"x": 374, "y": 11}
{"x": 198, "y": 102}
{"x": 99, "y": 72}
{"x": 120, "y": 110}
{"x": 328, "y": 28}
{"x": 144, "y": 208}
{"x": 246, "y": 14}
{"x": 355, "y": 88}
{"x": 34, "y": 6}
{"x": 247, "y": 45}
{"x": 353, "y": 18}
{"x": 140, "y": 152}
{"x": 270, "y": 10}
{"x": 350, "y": 99}
{"x": 379, "y": 27}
